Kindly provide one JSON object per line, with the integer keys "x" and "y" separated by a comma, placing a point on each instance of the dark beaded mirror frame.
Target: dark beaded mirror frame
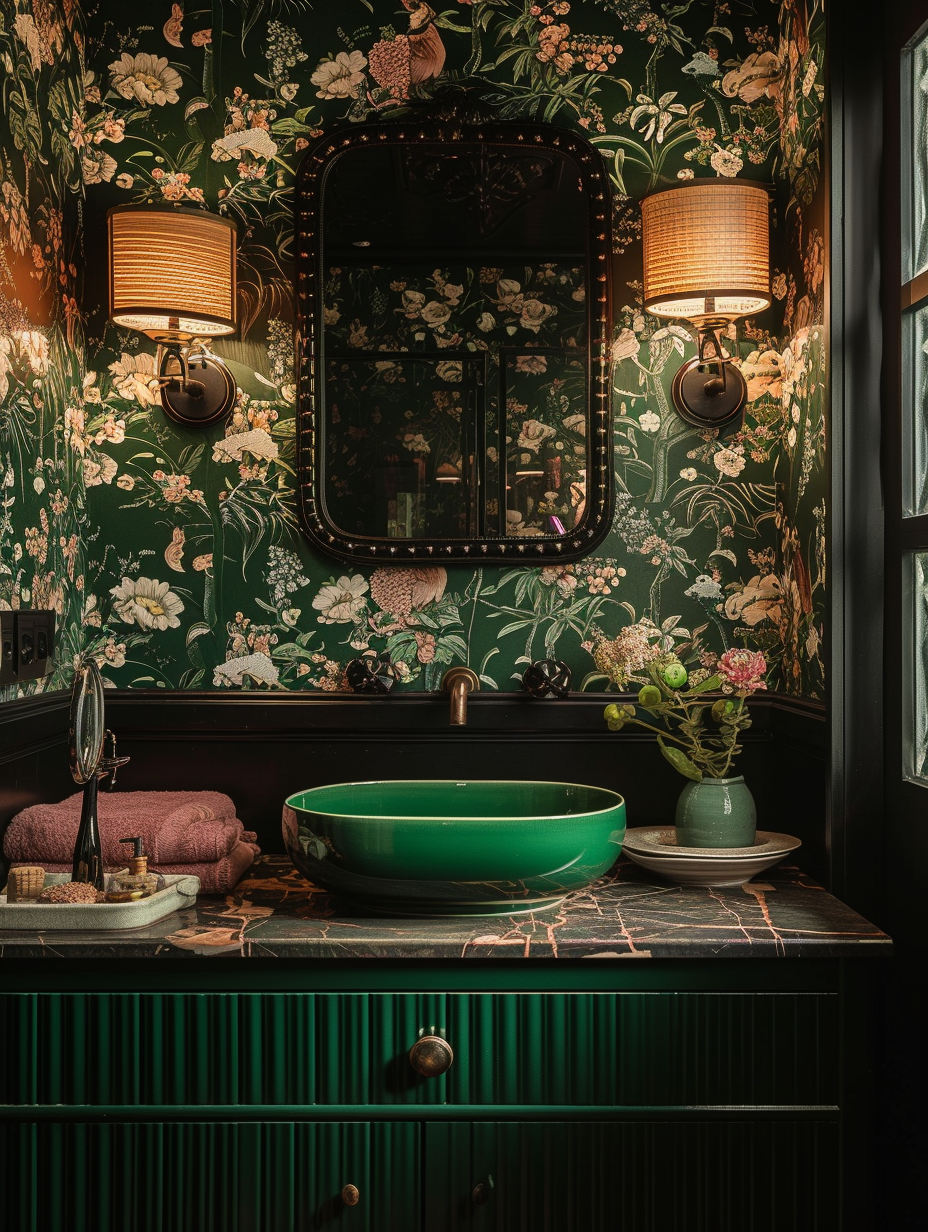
{"x": 452, "y": 128}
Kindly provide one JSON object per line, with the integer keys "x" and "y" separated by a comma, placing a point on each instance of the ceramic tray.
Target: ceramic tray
{"x": 179, "y": 892}
{"x": 656, "y": 850}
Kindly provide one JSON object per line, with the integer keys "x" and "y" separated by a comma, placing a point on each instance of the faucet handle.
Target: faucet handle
{"x": 371, "y": 675}
{"x": 547, "y": 677}
{"x": 109, "y": 763}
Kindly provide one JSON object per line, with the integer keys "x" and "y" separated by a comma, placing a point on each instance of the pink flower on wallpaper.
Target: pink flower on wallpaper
{"x": 742, "y": 670}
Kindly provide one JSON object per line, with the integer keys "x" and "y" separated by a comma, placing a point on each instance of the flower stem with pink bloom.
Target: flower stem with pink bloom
{"x": 703, "y": 722}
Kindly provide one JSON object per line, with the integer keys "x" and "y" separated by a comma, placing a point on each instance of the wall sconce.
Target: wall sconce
{"x": 706, "y": 261}
{"x": 172, "y": 277}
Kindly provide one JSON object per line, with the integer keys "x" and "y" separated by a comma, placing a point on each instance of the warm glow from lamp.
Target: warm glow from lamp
{"x": 706, "y": 250}
{"x": 172, "y": 272}
{"x": 707, "y": 260}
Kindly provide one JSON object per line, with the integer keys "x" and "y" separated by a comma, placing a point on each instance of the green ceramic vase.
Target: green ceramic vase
{"x": 716, "y": 813}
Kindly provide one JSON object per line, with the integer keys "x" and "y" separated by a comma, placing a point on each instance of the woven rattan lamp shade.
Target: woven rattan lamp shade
{"x": 172, "y": 272}
{"x": 706, "y": 250}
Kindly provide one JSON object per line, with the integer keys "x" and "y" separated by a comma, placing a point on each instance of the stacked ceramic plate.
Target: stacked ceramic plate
{"x": 657, "y": 850}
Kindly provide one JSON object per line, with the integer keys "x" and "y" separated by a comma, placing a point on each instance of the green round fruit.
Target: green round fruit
{"x": 650, "y": 696}
{"x": 674, "y": 675}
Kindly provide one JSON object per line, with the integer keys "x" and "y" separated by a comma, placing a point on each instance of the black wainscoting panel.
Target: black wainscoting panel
{"x": 34, "y": 764}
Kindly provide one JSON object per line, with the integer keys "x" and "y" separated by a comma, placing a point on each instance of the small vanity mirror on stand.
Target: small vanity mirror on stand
{"x": 86, "y": 739}
{"x": 453, "y": 323}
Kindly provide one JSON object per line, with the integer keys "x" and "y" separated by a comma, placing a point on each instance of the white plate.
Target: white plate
{"x": 662, "y": 843}
{"x": 705, "y": 866}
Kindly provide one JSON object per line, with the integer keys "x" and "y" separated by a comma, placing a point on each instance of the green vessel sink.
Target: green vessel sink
{"x": 448, "y": 848}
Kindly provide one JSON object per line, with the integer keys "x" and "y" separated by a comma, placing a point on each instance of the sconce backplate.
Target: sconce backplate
{"x": 216, "y": 400}
{"x": 708, "y": 409}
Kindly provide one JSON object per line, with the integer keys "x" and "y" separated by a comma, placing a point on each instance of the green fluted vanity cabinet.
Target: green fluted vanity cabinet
{"x": 628, "y": 1049}
{"x": 653, "y": 1059}
{"x": 572, "y": 1177}
{"x": 220, "y": 1111}
{"x": 212, "y": 1175}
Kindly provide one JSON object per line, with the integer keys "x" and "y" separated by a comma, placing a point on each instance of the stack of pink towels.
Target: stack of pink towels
{"x": 184, "y": 832}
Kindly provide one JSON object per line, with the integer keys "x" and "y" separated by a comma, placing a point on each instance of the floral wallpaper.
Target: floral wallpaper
{"x": 41, "y": 479}
{"x": 195, "y": 574}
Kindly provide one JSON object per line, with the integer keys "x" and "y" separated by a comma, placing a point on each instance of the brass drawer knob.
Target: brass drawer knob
{"x": 431, "y": 1056}
{"x": 480, "y": 1194}
{"x": 350, "y": 1195}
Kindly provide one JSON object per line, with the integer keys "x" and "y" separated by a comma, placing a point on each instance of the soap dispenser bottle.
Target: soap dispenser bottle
{"x": 138, "y": 882}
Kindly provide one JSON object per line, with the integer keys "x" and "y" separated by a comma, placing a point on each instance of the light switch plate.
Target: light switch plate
{"x": 27, "y": 645}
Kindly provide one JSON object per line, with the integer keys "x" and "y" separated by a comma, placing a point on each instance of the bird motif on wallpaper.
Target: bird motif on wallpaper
{"x": 409, "y": 58}
{"x": 426, "y": 50}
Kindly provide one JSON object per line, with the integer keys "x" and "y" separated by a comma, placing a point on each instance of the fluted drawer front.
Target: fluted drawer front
{"x": 208, "y": 1177}
{"x": 635, "y": 1048}
{"x": 643, "y": 1048}
{"x": 185, "y": 1048}
{"x": 643, "y": 1177}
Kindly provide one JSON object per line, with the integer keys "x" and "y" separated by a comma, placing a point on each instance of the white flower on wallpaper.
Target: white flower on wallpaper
{"x": 134, "y": 376}
{"x": 730, "y": 462}
{"x": 147, "y": 602}
{"x": 340, "y": 78}
{"x": 148, "y": 79}
{"x": 101, "y": 469}
{"x": 649, "y": 421}
{"x": 726, "y": 162}
{"x": 340, "y": 602}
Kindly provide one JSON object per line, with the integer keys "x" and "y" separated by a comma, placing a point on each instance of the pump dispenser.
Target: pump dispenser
{"x": 137, "y": 882}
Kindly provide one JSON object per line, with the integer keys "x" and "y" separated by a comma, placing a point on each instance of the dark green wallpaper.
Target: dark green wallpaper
{"x": 196, "y": 575}
{"x": 42, "y": 459}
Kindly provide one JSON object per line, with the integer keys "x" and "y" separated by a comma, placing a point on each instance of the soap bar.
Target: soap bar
{"x": 24, "y": 883}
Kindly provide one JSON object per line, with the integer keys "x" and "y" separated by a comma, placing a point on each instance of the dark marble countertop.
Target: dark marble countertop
{"x": 275, "y": 913}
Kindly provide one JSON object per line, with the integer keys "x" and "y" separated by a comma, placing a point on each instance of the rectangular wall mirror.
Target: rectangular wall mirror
{"x": 453, "y": 328}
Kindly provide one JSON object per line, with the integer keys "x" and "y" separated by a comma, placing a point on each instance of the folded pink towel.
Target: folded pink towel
{"x": 178, "y": 827}
{"x": 217, "y": 877}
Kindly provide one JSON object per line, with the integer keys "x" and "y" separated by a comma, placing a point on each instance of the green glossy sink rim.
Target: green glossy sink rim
{"x": 454, "y": 846}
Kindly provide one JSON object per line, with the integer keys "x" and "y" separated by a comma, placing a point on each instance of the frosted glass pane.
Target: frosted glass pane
{"x": 917, "y": 720}
{"x": 915, "y": 111}
{"x": 915, "y": 401}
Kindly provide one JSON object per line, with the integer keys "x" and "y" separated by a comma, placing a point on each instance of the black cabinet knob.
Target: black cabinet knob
{"x": 480, "y": 1194}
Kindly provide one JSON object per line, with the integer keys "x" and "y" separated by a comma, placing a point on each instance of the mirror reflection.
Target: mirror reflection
{"x": 456, "y": 291}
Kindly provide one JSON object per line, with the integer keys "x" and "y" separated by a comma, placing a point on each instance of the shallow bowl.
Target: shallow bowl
{"x": 706, "y": 866}
{"x": 444, "y": 847}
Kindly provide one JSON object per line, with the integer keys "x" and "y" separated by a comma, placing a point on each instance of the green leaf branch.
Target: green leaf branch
{"x": 697, "y": 729}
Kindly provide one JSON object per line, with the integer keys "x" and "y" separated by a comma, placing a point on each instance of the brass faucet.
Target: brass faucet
{"x": 459, "y": 681}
